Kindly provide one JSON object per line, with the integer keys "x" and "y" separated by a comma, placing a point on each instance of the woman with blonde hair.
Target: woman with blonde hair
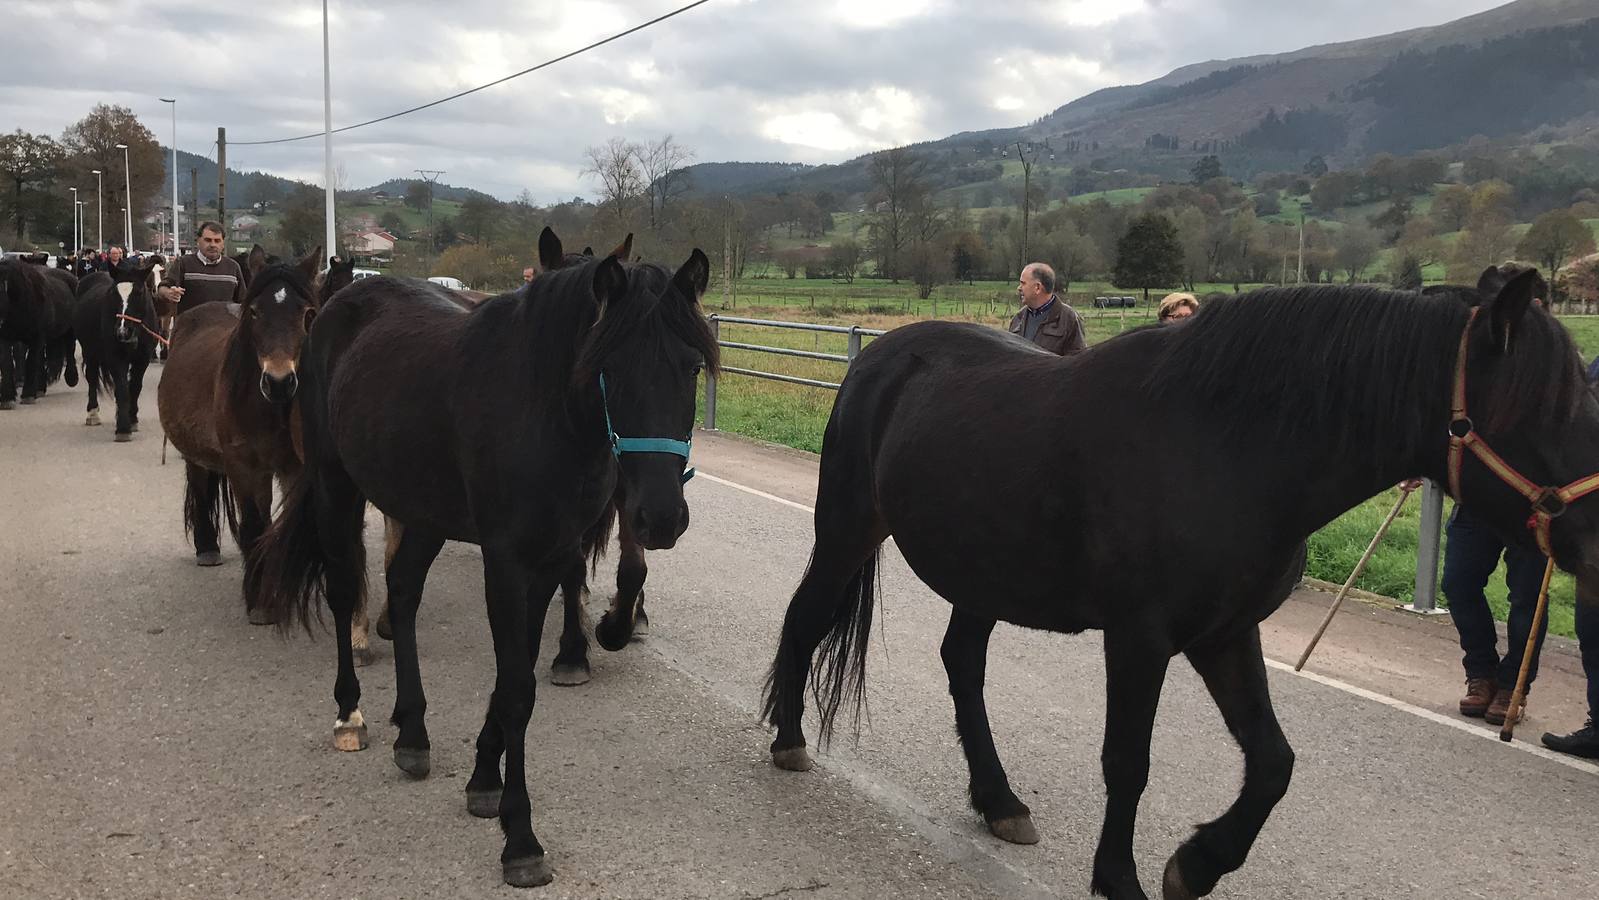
{"x": 1179, "y": 305}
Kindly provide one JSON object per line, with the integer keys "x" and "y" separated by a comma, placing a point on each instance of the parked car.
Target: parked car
{"x": 454, "y": 284}
{"x": 364, "y": 273}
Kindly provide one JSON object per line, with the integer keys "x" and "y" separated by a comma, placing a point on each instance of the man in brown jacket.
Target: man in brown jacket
{"x": 1044, "y": 318}
{"x": 204, "y": 276}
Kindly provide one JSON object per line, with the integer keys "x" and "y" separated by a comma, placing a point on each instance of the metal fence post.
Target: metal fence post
{"x": 1427, "y": 541}
{"x": 854, "y": 344}
{"x": 710, "y": 380}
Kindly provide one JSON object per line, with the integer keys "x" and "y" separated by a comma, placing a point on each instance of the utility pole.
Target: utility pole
{"x": 331, "y": 249}
{"x": 431, "y": 178}
{"x": 1027, "y": 193}
{"x": 194, "y": 200}
{"x": 1300, "y": 277}
{"x": 222, "y": 178}
{"x": 727, "y": 255}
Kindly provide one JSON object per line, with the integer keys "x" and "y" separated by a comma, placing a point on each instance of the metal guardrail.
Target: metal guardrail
{"x": 855, "y": 333}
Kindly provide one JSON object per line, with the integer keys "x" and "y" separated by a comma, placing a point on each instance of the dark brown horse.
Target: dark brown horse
{"x": 1289, "y": 405}
{"x": 26, "y": 321}
{"x": 227, "y": 399}
{"x": 509, "y": 439}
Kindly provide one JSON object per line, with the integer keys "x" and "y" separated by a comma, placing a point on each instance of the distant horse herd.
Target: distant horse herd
{"x": 545, "y": 419}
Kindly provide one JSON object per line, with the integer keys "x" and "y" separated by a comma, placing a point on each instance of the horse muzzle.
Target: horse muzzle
{"x": 279, "y": 389}
{"x": 659, "y": 530}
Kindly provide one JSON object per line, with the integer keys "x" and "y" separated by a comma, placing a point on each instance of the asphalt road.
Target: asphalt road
{"x": 156, "y": 745}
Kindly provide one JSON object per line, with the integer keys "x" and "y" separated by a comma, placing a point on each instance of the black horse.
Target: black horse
{"x": 115, "y": 325}
{"x": 1289, "y": 405}
{"x": 508, "y": 439}
{"x": 61, "y": 345}
{"x": 26, "y": 321}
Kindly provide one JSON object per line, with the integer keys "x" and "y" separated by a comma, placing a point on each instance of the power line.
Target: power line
{"x": 550, "y": 62}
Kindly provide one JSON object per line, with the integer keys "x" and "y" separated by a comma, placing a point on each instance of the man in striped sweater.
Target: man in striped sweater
{"x": 204, "y": 276}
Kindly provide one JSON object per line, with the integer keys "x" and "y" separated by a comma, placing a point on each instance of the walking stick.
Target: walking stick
{"x": 1507, "y": 730}
{"x": 1405, "y": 490}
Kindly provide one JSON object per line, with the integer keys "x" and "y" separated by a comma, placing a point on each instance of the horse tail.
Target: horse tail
{"x": 194, "y": 506}
{"x": 286, "y": 571}
{"x": 837, "y": 670}
{"x": 598, "y": 536}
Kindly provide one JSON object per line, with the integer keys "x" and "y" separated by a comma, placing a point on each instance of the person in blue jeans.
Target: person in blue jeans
{"x": 1470, "y": 557}
{"x": 1585, "y": 740}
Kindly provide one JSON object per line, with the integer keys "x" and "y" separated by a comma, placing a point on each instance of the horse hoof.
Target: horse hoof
{"x": 123, "y": 437}
{"x": 641, "y": 627}
{"x": 530, "y": 872}
{"x": 135, "y": 426}
{"x": 1016, "y": 829}
{"x": 1172, "y": 886}
{"x": 383, "y": 628}
{"x": 29, "y": 401}
{"x": 91, "y": 419}
{"x": 483, "y": 804}
{"x": 362, "y": 656}
{"x": 569, "y": 675}
{"x": 208, "y": 558}
{"x": 413, "y": 761}
{"x": 259, "y": 616}
{"x": 8, "y": 404}
{"x": 349, "y": 738}
{"x": 794, "y": 759}
{"x": 609, "y": 635}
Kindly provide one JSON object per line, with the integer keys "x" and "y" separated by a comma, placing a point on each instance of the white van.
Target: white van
{"x": 454, "y": 284}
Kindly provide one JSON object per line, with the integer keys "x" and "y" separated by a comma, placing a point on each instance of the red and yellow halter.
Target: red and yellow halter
{"x": 1548, "y": 503}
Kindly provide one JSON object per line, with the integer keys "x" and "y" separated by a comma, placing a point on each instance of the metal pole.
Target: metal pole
{"x": 1427, "y": 541}
{"x": 854, "y": 344}
{"x": 330, "y": 248}
{"x": 710, "y": 380}
{"x": 76, "y": 245}
{"x": 222, "y": 178}
{"x": 127, "y": 198}
{"x": 174, "y": 103}
{"x": 99, "y": 211}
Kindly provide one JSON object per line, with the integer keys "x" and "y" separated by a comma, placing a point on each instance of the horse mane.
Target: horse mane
{"x": 1326, "y": 363}
{"x": 569, "y": 343}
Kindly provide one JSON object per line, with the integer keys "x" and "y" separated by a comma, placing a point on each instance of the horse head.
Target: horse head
{"x": 643, "y": 356}
{"x": 273, "y": 322}
{"x": 135, "y": 289}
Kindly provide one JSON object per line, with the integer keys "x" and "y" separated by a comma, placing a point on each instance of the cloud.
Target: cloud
{"x": 733, "y": 79}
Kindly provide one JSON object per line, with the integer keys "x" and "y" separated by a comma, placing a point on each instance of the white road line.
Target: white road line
{"x": 1476, "y": 730}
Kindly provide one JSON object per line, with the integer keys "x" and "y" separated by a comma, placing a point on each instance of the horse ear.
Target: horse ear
{"x": 550, "y": 252}
{"x": 610, "y": 283}
{"x": 312, "y": 263}
{"x": 1511, "y": 302}
{"x": 624, "y": 249}
{"x": 589, "y": 252}
{"x": 694, "y": 276}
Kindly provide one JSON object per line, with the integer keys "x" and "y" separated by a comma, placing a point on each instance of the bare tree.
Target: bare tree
{"x": 897, "y": 176}
{"x": 661, "y": 165}
{"x": 615, "y": 165}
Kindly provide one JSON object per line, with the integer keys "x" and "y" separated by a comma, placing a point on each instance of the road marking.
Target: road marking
{"x": 1570, "y": 762}
{"x": 762, "y": 494}
{"x": 1476, "y": 730}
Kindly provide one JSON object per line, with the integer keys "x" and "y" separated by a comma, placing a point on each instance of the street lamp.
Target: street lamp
{"x": 80, "y": 205}
{"x": 174, "y": 103}
{"x": 76, "y": 244}
{"x": 127, "y": 196}
{"x": 99, "y": 209}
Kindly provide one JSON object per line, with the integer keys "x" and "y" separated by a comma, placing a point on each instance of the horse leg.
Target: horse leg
{"x": 571, "y": 666}
{"x": 965, "y": 653}
{"x": 404, "y": 577}
{"x": 339, "y": 519}
{"x": 516, "y": 594}
{"x": 33, "y": 374}
{"x": 141, "y": 362}
{"x": 841, "y": 572}
{"x": 69, "y": 359}
{"x": 119, "y": 384}
{"x": 617, "y": 625}
{"x": 8, "y": 376}
{"x": 1135, "y": 671}
{"x": 1235, "y": 674}
{"x": 91, "y": 376}
{"x": 200, "y": 499}
{"x": 392, "y": 532}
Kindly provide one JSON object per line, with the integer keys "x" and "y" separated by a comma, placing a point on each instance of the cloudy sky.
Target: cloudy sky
{"x": 789, "y": 80}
